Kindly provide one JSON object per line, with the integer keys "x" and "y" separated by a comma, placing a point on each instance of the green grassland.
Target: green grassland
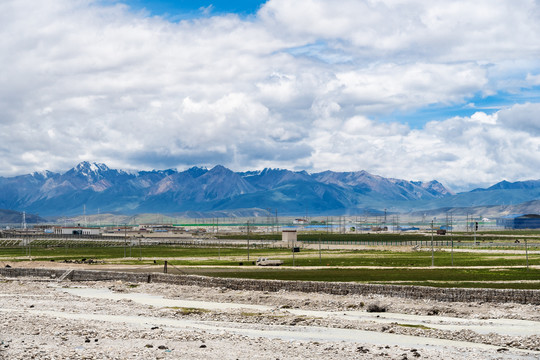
{"x": 390, "y": 239}
{"x": 486, "y": 278}
{"x": 181, "y": 255}
{"x": 503, "y": 269}
{"x": 512, "y": 232}
{"x": 120, "y": 252}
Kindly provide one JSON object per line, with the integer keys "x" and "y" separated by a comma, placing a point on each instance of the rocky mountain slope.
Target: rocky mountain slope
{"x": 99, "y": 188}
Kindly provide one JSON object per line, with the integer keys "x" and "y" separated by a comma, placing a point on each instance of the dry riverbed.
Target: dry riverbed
{"x": 45, "y": 319}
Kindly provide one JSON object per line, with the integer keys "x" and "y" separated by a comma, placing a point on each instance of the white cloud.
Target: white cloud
{"x": 533, "y": 79}
{"x": 445, "y": 30}
{"x": 206, "y": 10}
{"x": 481, "y": 149}
{"x": 389, "y": 87}
{"x": 523, "y": 117}
{"x": 300, "y": 85}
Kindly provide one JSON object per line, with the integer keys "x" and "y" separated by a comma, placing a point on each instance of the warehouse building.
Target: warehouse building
{"x": 77, "y": 230}
{"x": 523, "y": 221}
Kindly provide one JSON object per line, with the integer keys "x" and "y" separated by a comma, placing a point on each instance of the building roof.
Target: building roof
{"x": 523, "y": 216}
{"x": 531, "y": 216}
{"x": 511, "y": 216}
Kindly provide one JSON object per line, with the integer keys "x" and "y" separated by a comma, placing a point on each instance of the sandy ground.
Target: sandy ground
{"x": 46, "y": 319}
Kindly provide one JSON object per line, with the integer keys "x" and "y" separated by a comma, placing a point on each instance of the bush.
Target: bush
{"x": 376, "y": 308}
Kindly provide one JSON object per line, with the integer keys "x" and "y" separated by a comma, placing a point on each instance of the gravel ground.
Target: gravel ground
{"x": 43, "y": 320}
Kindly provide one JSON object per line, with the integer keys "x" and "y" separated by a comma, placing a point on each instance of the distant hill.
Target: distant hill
{"x": 16, "y": 217}
{"x": 489, "y": 211}
{"x": 503, "y": 194}
{"x": 200, "y": 190}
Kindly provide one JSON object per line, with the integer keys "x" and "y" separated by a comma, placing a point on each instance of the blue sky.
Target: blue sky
{"x": 488, "y": 104}
{"x": 445, "y": 89}
{"x": 179, "y": 9}
{"x": 182, "y": 10}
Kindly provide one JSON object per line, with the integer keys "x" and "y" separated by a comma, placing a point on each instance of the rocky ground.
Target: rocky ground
{"x": 45, "y": 319}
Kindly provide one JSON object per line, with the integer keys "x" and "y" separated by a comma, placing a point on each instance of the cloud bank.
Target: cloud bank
{"x": 300, "y": 85}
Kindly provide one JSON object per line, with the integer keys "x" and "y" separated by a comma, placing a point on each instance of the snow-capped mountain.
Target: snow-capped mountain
{"x": 96, "y": 186}
{"x": 364, "y": 182}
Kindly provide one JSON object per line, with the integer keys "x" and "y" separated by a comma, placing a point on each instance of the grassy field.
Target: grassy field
{"x": 232, "y": 256}
{"x": 120, "y": 252}
{"x": 486, "y": 278}
{"x": 513, "y": 232}
{"x": 504, "y": 270}
{"x": 398, "y": 239}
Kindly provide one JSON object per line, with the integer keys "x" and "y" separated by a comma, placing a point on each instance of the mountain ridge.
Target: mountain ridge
{"x": 98, "y": 187}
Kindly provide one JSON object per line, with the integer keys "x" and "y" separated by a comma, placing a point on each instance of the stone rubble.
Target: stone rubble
{"x": 27, "y": 334}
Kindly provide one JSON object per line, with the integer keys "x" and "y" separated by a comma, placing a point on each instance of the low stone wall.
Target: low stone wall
{"x": 338, "y": 288}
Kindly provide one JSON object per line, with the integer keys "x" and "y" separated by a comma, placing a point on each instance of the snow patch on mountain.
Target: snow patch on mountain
{"x": 95, "y": 185}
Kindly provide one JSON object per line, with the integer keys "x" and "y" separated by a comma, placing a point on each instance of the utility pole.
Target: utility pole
{"x": 452, "y": 237}
{"x": 474, "y": 228}
{"x": 277, "y": 223}
{"x": 125, "y": 239}
{"x": 327, "y": 229}
{"x": 432, "y": 250}
{"x": 527, "y": 254}
{"x": 248, "y": 240}
{"x": 24, "y": 220}
{"x": 320, "y": 257}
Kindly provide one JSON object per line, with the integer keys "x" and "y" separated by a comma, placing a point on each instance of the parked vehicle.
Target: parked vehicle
{"x": 262, "y": 261}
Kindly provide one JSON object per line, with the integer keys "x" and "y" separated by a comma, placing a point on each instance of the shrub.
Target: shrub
{"x": 376, "y": 308}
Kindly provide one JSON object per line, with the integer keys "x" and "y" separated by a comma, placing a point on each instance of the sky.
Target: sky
{"x": 409, "y": 89}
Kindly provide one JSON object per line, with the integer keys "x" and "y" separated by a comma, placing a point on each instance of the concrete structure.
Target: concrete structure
{"x": 524, "y": 221}
{"x": 289, "y": 237}
{"x": 77, "y": 230}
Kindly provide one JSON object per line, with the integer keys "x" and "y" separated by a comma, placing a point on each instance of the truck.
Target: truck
{"x": 262, "y": 261}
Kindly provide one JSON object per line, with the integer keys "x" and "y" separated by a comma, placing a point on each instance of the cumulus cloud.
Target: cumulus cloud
{"x": 480, "y": 149}
{"x": 299, "y": 85}
{"x": 533, "y": 79}
{"x": 523, "y": 117}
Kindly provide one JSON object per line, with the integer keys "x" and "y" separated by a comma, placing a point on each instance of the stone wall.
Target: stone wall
{"x": 338, "y": 288}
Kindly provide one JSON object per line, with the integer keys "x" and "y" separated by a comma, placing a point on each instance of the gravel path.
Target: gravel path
{"x": 51, "y": 320}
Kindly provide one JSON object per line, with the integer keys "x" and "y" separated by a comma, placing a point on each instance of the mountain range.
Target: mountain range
{"x": 97, "y": 188}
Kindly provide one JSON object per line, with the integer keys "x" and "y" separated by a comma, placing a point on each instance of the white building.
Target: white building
{"x": 77, "y": 230}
